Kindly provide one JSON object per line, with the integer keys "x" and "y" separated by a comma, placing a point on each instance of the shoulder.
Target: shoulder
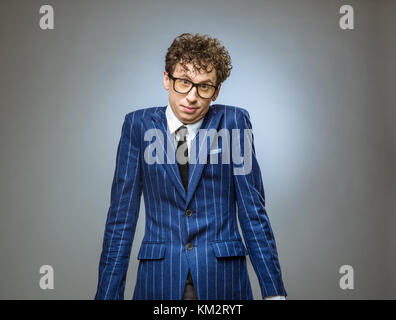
{"x": 231, "y": 111}
{"x": 133, "y": 120}
{"x": 141, "y": 113}
{"x": 234, "y": 116}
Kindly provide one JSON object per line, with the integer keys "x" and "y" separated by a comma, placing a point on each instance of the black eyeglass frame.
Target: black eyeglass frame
{"x": 193, "y": 85}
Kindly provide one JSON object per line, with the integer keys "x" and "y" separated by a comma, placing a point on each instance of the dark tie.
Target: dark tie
{"x": 182, "y": 155}
{"x": 182, "y": 161}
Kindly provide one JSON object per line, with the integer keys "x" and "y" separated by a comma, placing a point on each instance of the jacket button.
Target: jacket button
{"x": 189, "y": 246}
{"x": 188, "y": 213}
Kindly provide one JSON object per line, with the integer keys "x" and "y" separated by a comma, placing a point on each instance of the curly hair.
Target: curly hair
{"x": 203, "y": 52}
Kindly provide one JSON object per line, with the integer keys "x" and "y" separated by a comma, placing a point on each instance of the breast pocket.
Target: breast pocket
{"x": 215, "y": 151}
{"x": 151, "y": 251}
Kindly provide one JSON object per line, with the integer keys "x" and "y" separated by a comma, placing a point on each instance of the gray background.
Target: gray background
{"x": 322, "y": 102}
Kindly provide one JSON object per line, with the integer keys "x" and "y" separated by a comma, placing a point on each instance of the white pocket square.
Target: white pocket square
{"x": 214, "y": 151}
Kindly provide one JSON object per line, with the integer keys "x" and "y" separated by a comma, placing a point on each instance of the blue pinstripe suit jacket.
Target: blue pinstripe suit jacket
{"x": 216, "y": 197}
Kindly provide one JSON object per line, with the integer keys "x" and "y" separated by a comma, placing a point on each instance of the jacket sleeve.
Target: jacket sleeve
{"x": 123, "y": 213}
{"x": 252, "y": 216}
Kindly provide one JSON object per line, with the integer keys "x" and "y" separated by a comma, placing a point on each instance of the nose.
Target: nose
{"x": 192, "y": 95}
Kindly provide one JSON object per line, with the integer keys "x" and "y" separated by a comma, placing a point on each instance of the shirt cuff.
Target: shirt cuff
{"x": 275, "y": 298}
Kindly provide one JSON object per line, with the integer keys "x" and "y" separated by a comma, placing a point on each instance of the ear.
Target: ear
{"x": 217, "y": 92}
{"x": 166, "y": 81}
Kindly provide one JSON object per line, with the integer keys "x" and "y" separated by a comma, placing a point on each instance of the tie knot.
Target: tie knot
{"x": 182, "y": 132}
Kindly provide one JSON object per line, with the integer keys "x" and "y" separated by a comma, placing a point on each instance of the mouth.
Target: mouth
{"x": 189, "y": 109}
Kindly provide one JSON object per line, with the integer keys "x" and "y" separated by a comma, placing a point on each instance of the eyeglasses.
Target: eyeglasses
{"x": 205, "y": 91}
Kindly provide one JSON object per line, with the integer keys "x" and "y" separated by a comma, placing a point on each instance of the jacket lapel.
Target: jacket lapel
{"x": 169, "y": 146}
{"x": 211, "y": 121}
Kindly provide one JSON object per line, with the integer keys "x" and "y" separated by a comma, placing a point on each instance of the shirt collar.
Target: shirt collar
{"x": 174, "y": 123}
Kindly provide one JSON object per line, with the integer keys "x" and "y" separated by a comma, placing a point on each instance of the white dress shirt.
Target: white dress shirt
{"x": 174, "y": 123}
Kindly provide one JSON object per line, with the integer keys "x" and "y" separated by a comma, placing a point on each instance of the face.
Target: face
{"x": 190, "y": 107}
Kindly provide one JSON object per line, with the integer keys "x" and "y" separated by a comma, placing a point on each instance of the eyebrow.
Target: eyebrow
{"x": 208, "y": 80}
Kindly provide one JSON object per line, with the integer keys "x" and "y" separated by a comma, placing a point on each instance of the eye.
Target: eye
{"x": 204, "y": 86}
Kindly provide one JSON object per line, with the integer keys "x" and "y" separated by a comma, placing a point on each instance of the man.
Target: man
{"x": 192, "y": 248}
